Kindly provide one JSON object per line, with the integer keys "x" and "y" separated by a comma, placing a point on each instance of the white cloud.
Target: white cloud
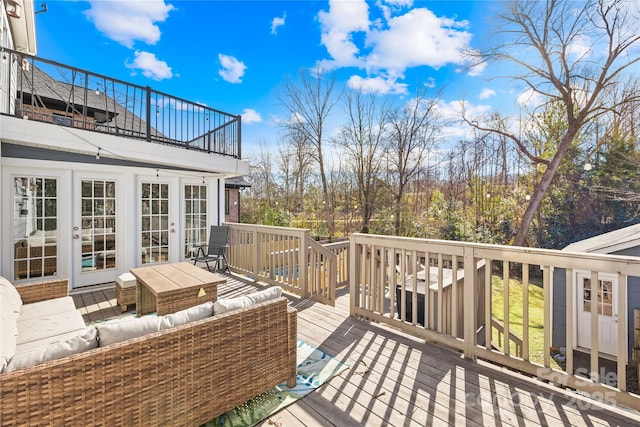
{"x": 530, "y": 98}
{"x": 430, "y": 83}
{"x": 150, "y": 66}
{"x": 337, "y": 25}
{"x": 388, "y": 7}
{"x": 249, "y": 115}
{"x": 452, "y": 113}
{"x": 474, "y": 69}
{"x": 486, "y": 93}
{"x": 277, "y": 22}
{"x": 128, "y": 21}
{"x": 401, "y": 38}
{"x": 232, "y": 70}
{"x": 405, "y": 3}
{"x": 580, "y": 46}
{"x": 417, "y": 38}
{"x": 379, "y": 85}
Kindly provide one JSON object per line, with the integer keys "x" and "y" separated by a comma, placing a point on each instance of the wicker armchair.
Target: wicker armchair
{"x": 185, "y": 375}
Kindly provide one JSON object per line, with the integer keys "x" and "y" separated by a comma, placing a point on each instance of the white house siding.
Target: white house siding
{"x": 34, "y": 149}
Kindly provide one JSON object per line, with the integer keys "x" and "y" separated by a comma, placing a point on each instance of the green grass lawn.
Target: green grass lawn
{"x": 536, "y": 315}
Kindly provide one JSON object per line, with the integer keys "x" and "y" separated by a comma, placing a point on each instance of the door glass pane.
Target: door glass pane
{"x": 586, "y": 295}
{"x": 195, "y": 215}
{"x": 98, "y": 225}
{"x": 155, "y": 223}
{"x": 605, "y": 298}
{"x": 35, "y": 227}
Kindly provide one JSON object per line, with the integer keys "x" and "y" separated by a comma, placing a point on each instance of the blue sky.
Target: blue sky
{"x": 236, "y": 55}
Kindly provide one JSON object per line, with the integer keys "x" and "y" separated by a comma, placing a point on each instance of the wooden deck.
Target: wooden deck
{"x": 398, "y": 380}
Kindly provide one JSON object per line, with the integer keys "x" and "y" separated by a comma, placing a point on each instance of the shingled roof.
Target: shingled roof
{"x": 71, "y": 96}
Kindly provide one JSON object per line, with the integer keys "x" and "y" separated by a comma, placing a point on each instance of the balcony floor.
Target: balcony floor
{"x": 398, "y": 380}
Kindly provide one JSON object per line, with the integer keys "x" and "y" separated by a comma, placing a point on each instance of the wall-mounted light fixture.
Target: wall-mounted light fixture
{"x": 14, "y": 9}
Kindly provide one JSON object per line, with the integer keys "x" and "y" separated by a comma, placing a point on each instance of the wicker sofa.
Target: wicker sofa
{"x": 183, "y": 375}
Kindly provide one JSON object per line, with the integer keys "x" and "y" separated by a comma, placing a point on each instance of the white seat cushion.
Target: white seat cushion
{"x": 40, "y": 309}
{"x": 225, "y": 305}
{"x": 50, "y": 325}
{"x": 126, "y": 280}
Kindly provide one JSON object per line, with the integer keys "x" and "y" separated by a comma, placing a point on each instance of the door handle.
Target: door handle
{"x": 76, "y": 236}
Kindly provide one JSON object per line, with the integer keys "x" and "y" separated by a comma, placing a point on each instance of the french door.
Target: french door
{"x": 35, "y": 225}
{"x": 96, "y": 229}
{"x": 158, "y": 213}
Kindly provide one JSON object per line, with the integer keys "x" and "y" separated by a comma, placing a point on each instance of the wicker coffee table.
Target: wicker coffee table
{"x": 167, "y": 288}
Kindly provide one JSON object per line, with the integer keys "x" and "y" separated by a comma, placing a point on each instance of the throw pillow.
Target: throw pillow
{"x": 10, "y": 304}
{"x": 192, "y": 314}
{"x": 9, "y": 295}
{"x": 113, "y": 332}
{"x": 78, "y": 344}
{"x": 225, "y": 305}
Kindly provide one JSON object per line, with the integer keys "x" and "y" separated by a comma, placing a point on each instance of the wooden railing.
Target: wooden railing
{"x": 457, "y": 300}
{"x": 341, "y": 250}
{"x": 290, "y": 258}
{"x": 499, "y": 342}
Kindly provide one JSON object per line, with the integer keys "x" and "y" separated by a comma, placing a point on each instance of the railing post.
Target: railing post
{"x": 570, "y": 292}
{"x": 239, "y": 137}
{"x": 256, "y": 251}
{"x": 148, "y": 120}
{"x": 354, "y": 275}
{"x": 623, "y": 349}
{"x": 469, "y": 318}
{"x": 85, "y": 100}
{"x": 303, "y": 249}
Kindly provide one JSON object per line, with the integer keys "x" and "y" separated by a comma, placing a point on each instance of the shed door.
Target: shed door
{"x": 605, "y": 295}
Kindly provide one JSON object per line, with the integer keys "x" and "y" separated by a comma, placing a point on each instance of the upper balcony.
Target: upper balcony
{"x": 46, "y": 91}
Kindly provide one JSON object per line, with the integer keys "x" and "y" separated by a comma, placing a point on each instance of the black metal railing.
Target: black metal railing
{"x": 47, "y": 91}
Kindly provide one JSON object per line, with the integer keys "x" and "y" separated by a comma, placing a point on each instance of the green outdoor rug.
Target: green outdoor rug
{"x": 315, "y": 368}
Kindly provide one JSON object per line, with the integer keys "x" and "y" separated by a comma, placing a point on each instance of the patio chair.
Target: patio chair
{"x": 216, "y": 253}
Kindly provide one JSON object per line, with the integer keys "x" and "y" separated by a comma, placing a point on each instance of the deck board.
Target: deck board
{"x": 398, "y": 380}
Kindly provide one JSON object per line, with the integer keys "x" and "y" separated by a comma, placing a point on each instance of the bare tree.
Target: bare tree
{"x": 575, "y": 53}
{"x": 361, "y": 141}
{"x": 296, "y": 164}
{"x": 264, "y": 186}
{"x": 262, "y": 171}
{"x": 286, "y": 166}
{"x": 412, "y": 130}
{"x": 309, "y": 105}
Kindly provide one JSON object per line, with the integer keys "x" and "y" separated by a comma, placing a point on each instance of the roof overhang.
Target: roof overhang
{"x": 23, "y": 26}
{"x": 31, "y": 133}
